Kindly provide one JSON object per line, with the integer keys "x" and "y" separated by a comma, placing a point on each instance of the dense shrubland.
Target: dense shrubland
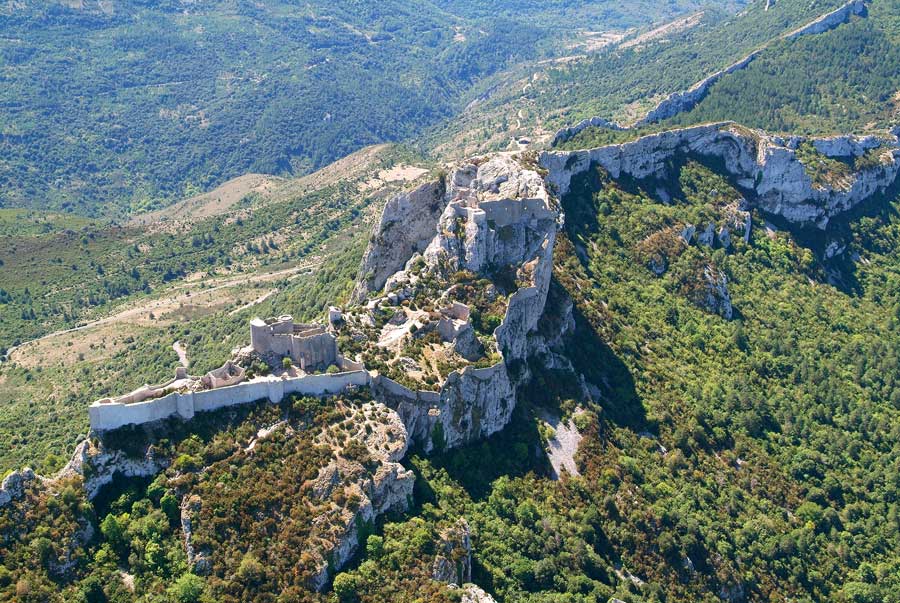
{"x": 841, "y": 81}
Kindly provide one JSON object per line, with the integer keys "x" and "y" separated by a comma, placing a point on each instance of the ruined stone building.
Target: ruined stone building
{"x": 311, "y": 347}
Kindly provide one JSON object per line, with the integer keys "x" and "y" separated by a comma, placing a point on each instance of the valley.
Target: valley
{"x": 617, "y": 321}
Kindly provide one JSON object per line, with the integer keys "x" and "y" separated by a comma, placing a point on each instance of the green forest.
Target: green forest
{"x": 114, "y": 112}
{"x": 842, "y": 81}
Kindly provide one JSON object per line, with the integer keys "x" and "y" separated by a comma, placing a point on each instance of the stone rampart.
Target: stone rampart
{"x": 106, "y": 415}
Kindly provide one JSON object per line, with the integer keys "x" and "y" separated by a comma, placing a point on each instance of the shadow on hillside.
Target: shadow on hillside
{"x": 845, "y": 230}
{"x": 606, "y": 372}
{"x": 513, "y": 452}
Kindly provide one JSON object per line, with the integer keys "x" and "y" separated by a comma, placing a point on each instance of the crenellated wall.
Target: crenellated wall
{"x": 105, "y": 415}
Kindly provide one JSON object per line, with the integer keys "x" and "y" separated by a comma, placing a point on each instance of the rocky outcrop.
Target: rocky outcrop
{"x": 714, "y": 296}
{"x": 498, "y": 214}
{"x": 766, "y": 168}
{"x": 831, "y": 20}
{"x": 685, "y": 100}
{"x": 453, "y": 562}
{"x": 406, "y": 226}
{"x": 474, "y": 594}
{"x": 99, "y": 464}
{"x": 594, "y": 122}
{"x": 15, "y": 484}
{"x": 386, "y": 487}
{"x": 198, "y": 561}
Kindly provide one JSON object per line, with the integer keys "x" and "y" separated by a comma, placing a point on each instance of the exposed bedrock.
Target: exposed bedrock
{"x": 406, "y": 226}
{"x": 497, "y": 214}
{"x": 767, "y": 168}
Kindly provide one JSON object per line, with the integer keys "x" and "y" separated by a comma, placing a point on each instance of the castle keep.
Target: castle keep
{"x": 311, "y": 347}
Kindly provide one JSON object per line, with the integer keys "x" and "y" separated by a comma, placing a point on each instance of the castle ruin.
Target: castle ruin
{"x": 312, "y": 347}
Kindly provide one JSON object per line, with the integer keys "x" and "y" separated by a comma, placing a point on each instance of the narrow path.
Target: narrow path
{"x": 182, "y": 354}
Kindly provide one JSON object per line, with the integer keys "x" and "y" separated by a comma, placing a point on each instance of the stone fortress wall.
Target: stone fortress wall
{"x": 112, "y": 415}
{"x": 312, "y": 347}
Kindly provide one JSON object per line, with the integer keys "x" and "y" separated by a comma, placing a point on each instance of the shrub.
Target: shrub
{"x": 188, "y": 589}
{"x": 345, "y": 587}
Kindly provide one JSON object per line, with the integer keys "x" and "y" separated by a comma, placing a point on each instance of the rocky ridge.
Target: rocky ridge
{"x": 768, "y": 169}
{"x": 685, "y": 100}
{"x": 497, "y": 215}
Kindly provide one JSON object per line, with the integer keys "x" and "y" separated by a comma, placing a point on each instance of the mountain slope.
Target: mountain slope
{"x": 839, "y": 81}
{"x": 119, "y": 106}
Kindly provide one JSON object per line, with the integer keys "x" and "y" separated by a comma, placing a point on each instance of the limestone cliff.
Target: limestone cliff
{"x": 498, "y": 219}
{"x": 406, "y": 226}
{"x": 453, "y": 561}
{"x": 99, "y": 465}
{"x": 830, "y": 20}
{"x": 768, "y": 169}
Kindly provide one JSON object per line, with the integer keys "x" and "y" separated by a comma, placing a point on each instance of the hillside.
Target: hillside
{"x": 843, "y": 80}
{"x": 90, "y": 307}
{"x": 622, "y": 79}
{"x": 619, "y": 321}
{"x": 114, "y": 107}
{"x": 720, "y": 345}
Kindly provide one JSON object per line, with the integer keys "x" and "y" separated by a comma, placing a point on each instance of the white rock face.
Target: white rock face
{"x": 388, "y": 488}
{"x": 474, "y": 594}
{"x": 766, "y": 167}
{"x": 453, "y": 562}
{"x": 685, "y": 100}
{"x": 594, "y": 122}
{"x": 716, "y": 298}
{"x": 708, "y": 237}
{"x": 406, "y": 226}
{"x": 498, "y": 213}
{"x": 99, "y": 465}
{"x": 831, "y": 20}
{"x": 14, "y": 485}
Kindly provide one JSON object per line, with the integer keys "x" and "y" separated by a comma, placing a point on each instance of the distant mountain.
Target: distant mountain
{"x": 109, "y": 106}
{"x": 844, "y": 80}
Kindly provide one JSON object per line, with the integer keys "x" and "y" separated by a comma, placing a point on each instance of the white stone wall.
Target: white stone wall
{"x": 106, "y": 416}
{"x": 116, "y": 414}
{"x": 320, "y": 385}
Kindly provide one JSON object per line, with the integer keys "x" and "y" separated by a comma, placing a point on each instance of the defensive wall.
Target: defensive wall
{"x": 107, "y": 414}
